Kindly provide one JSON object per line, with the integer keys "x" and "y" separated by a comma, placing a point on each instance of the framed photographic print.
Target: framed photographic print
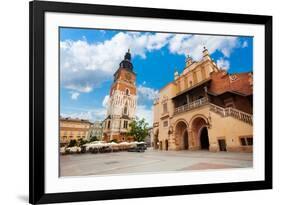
{"x": 130, "y": 102}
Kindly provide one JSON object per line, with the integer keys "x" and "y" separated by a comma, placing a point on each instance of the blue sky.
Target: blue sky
{"x": 89, "y": 58}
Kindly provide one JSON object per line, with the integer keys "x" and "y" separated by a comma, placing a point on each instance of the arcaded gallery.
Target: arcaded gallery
{"x": 204, "y": 107}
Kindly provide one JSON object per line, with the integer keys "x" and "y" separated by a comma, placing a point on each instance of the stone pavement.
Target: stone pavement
{"x": 150, "y": 161}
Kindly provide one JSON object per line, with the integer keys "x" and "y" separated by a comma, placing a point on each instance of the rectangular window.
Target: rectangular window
{"x": 250, "y": 141}
{"x": 243, "y": 141}
{"x": 203, "y": 73}
{"x": 165, "y": 108}
{"x": 165, "y": 123}
{"x": 246, "y": 141}
{"x": 108, "y": 124}
{"x": 194, "y": 77}
{"x": 185, "y": 83}
{"x": 125, "y": 124}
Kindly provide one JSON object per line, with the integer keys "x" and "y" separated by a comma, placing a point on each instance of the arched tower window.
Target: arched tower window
{"x": 127, "y": 91}
{"x": 126, "y": 109}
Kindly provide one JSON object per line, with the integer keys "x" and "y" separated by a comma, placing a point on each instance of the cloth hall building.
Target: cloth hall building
{"x": 204, "y": 107}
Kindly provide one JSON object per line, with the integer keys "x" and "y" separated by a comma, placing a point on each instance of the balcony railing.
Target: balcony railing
{"x": 225, "y": 112}
{"x": 192, "y": 105}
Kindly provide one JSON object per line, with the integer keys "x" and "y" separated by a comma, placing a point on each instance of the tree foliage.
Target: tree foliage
{"x": 93, "y": 138}
{"x": 72, "y": 143}
{"x": 139, "y": 129}
{"x": 81, "y": 142}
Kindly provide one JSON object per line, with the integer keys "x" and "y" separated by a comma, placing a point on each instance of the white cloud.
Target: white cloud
{"x": 176, "y": 43}
{"x": 85, "y": 66}
{"x": 146, "y": 113}
{"x": 146, "y": 95}
{"x": 97, "y": 114}
{"x": 74, "y": 95}
{"x": 146, "y": 92}
{"x": 193, "y": 44}
{"x": 105, "y": 101}
{"x": 223, "y": 64}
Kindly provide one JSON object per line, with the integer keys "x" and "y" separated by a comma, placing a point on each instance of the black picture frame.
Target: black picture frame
{"x": 37, "y": 192}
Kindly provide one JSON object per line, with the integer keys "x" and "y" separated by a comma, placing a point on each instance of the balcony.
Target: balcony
{"x": 238, "y": 114}
{"x": 197, "y": 103}
{"x": 224, "y": 112}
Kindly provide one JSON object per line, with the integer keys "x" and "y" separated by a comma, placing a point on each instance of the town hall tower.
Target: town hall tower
{"x": 122, "y": 102}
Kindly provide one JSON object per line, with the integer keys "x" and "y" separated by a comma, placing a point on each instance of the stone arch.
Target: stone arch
{"x": 181, "y": 134}
{"x": 161, "y": 145}
{"x": 204, "y": 137}
{"x": 198, "y": 116}
{"x": 199, "y": 127}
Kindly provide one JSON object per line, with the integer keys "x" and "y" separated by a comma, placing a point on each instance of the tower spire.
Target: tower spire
{"x": 126, "y": 63}
{"x": 128, "y": 55}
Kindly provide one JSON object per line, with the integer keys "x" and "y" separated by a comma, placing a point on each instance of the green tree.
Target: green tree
{"x": 93, "y": 138}
{"x": 72, "y": 143}
{"x": 139, "y": 129}
{"x": 81, "y": 142}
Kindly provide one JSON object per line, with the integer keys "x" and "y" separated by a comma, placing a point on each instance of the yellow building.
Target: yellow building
{"x": 204, "y": 108}
{"x": 74, "y": 129}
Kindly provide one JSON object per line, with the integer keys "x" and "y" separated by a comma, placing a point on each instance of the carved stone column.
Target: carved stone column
{"x": 191, "y": 142}
{"x": 194, "y": 145}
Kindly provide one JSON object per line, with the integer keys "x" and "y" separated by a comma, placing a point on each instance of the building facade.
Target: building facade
{"x": 74, "y": 129}
{"x": 149, "y": 137}
{"x": 122, "y": 102}
{"x": 96, "y": 130}
{"x": 204, "y": 108}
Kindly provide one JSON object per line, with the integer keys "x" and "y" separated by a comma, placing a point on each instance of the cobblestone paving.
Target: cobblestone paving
{"x": 150, "y": 161}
